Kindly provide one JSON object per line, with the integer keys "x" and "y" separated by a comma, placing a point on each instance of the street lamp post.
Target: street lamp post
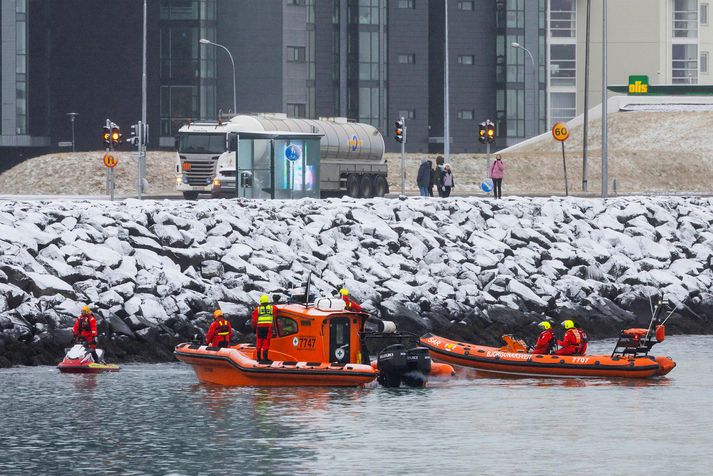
{"x": 72, "y": 116}
{"x": 208, "y": 42}
{"x": 533, "y": 113}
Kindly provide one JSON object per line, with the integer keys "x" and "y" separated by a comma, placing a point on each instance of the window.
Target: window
{"x": 704, "y": 62}
{"x": 286, "y": 326}
{"x": 563, "y": 65}
{"x": 685, "y": 19}
{"x": 407, "y": 4}
{"x": 296, "y": 110}
{"x": 563, "y": 19}
{"x": 368, "y": 55}
{"x": 684, "y": 64}
{"x": 408, "y": 114}
{"x": 466, "y": 59}
{"x": 296, "y": 54}
{"x": 466, "y": 115}
{"x": 564, "y": 106}
{"x": 407, "y": 59}
{"x": 466, "y": 6}
{"x": 703, "y": 14}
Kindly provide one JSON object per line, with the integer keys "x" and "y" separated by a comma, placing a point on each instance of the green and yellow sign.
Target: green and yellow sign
{"x": 638, "y": 85}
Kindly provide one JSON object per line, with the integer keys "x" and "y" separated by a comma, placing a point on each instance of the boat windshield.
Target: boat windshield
{"x": 195, "y": 143}
{"x": 286, "y": 326}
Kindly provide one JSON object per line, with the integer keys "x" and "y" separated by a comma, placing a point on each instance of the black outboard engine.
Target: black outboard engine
{"x": 418, "y": 363}
{"x": 392, "y": 365}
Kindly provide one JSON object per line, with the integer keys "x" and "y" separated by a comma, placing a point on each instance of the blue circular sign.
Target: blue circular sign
{"x": 487, "y": 185}
{"x": 293, "y": 152}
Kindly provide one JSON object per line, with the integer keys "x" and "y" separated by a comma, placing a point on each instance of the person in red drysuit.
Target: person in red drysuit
{"x": 574, "y": 342}
{"x": 351, "y": 305}
{"x": 263, "y": 318}
{"x": 220, "y": 331}
{"x": 546, "y": 341}
{"x": 85, "y": 331}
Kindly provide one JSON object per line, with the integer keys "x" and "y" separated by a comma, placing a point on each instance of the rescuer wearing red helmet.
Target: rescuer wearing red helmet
{"x": 574, "y": 342}
{"x": 350, "y": 304}
{"x": 85, "y": 331}
{"x": 262, "y": 319}
{"x": 546, "y": 340}
{"x": 220, "y": 331}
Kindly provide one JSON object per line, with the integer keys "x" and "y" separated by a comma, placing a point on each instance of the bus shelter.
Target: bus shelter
{"x": 283, "y": 165}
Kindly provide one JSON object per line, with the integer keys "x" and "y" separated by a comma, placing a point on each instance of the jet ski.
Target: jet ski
{"x": 78, "y": 359}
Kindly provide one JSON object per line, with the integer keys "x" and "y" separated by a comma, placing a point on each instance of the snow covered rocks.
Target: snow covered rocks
{"x": 462, "y": 267}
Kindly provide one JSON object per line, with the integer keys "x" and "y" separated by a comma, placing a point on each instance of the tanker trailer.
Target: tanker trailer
{"x": 351, "y": 154}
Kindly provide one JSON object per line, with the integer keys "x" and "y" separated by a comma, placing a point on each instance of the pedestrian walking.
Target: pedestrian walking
{"x": 438, "y": 180}
{"x": 448, "y": 182}
{"x": 497, "y": 171}
{"x": 423, "y": 179}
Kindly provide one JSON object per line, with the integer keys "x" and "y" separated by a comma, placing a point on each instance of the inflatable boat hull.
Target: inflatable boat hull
{"x": 493, "y": 360}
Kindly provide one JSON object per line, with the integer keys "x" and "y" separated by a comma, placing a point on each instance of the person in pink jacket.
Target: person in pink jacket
{"x": 497, "y": 170}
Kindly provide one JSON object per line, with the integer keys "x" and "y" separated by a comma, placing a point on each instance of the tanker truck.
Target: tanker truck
{"x": 351, "y": 155}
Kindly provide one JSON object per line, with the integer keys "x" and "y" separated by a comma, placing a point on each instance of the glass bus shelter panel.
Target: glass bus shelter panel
{"x": 296, "y": 168}
{"x": 254, "y": 174}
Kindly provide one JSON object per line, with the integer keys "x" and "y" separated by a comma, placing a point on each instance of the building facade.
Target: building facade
{"x": 519, "y": 63}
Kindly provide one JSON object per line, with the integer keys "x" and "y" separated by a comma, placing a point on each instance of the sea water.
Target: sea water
{"x": 157, "y": 419}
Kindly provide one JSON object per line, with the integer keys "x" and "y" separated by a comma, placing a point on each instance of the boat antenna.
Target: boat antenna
{"x": 309, "y": 280}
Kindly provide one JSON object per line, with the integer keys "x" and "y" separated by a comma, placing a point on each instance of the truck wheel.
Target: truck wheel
{"x": 190, "y": 195}
{"x": 380, "y": 186}
{"x": 366, "y": 186}
{"x": 353, "y": 185}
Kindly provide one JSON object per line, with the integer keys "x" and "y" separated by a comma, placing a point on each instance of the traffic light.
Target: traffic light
{"x": 116, "y": 136}
{"x": 490, "y": 133}
{"x": 481, "y": 133}
{"x": 106, "y": 136}
{"x": 399, "y": 131}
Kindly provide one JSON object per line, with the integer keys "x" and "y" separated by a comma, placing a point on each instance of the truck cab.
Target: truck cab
{"x": 199, "y": 148}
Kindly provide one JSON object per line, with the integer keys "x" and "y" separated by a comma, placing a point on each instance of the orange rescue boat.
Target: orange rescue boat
{"x": 630, "y": 358}
{"x": 313, "y": 344}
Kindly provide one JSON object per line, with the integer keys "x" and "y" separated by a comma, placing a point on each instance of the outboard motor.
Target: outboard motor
{"x": 418, "y": 363}
{"x": 392, "y": 365}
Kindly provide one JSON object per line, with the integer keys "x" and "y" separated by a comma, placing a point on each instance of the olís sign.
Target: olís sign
{"x": 638, "y": 85}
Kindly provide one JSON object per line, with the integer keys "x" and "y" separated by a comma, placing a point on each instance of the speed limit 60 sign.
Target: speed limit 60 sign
{"x": 560, "y": 131}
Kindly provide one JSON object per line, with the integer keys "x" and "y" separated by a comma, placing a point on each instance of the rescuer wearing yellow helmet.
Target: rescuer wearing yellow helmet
{"x": 350, "y": 304}
{"x": 574, "y": 341}
{"x": 546, "y": 340}
{"x": 220, "y": 331}
{"x": 263, "y": 318}
{"x": 85, "y": 331}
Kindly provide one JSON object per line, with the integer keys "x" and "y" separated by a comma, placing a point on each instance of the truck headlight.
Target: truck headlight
{"x": 216, "y": 183}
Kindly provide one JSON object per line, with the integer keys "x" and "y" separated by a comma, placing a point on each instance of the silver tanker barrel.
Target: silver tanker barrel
{"x": 352, "y": 153}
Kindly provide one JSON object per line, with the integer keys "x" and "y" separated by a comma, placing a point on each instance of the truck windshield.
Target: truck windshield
{"x": 201, "y": 143}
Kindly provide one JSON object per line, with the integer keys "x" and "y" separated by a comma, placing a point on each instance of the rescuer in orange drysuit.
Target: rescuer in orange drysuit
{"x": 262, "y": 319}
{"x": 574, "y": 342}
{"x": 546, "y": 340}
{"x": 85, "y": 331}
{"x": 220, "y": 331}
{"x": 351, "y": 305}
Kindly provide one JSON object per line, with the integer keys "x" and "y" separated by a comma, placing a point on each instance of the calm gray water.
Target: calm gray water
{"x": 156, "y": 419}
